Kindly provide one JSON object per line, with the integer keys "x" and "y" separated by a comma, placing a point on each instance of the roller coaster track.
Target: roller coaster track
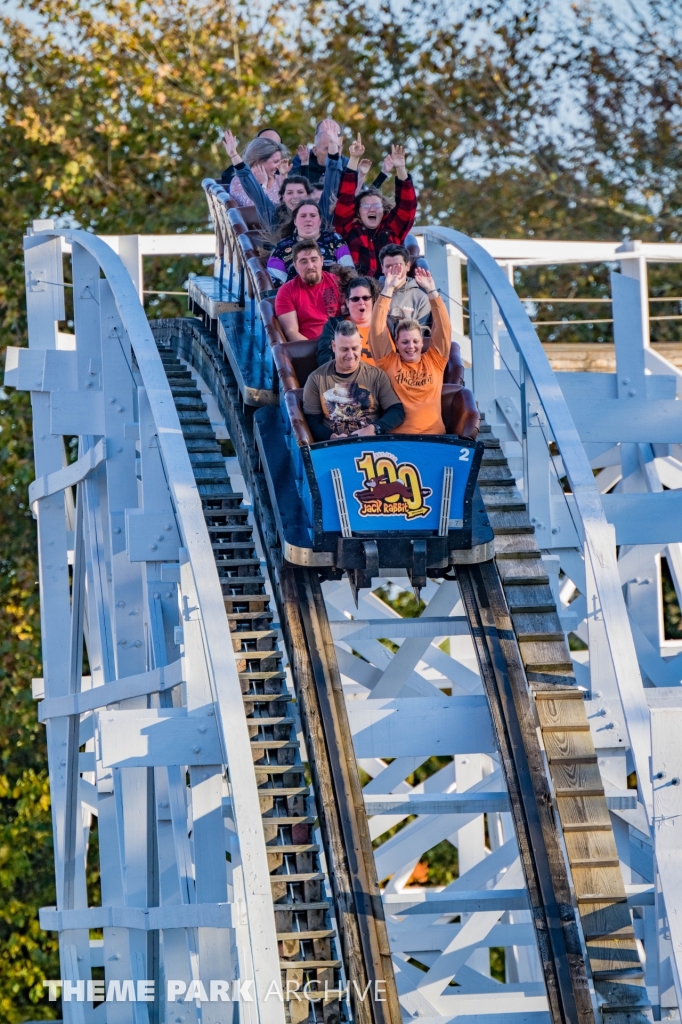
{"x": 222, "y": 708}
{"x": 532, "y": 788}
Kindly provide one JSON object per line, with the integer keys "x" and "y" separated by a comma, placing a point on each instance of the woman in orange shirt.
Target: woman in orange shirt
{"x": 416, "y": 376}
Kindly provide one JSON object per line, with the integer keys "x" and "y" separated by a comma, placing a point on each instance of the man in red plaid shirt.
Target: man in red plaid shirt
{"x": 363, "y": 221}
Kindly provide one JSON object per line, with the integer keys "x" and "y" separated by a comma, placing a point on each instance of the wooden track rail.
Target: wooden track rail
{"x": 526, "y": 618}
{"x": 562, "y": 823}
{"x": 338, "y": 801}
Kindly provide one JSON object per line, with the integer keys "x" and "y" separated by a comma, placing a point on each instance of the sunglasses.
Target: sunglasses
{"x": 360, "y": 298}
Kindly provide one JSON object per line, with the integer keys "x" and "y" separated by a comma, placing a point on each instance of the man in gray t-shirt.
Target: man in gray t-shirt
{"x": 347, "y": 396}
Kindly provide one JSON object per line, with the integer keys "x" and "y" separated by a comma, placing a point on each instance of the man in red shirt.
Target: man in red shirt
{"x": 304, "y": 305}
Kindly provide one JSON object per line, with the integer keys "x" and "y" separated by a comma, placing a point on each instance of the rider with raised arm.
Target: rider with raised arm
{"x": 312, "y": 163}
{"x": 268, "y": 164}
{"x": 367, "y": 221}
{"x": 416, "y": 376}
{"x": 292, "y": 189}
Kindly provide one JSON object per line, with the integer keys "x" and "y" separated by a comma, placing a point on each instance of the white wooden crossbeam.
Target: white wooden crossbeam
{"x": 189, "y": 915}
{"x": 44, "y": 486}
{"x": 155, "y": 681}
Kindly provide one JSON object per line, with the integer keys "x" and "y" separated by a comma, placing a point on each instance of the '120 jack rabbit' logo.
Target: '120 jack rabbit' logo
{"x": 390, "y": 488}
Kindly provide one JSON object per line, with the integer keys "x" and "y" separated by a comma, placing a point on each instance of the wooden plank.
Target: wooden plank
{"x": 529, "y": 598}
{"x": 607, "y": 880}
{"x": 509, "y": 521}
{"x": 546, "y": 657}
{"x": 522, "y": 571}
{"x": 568, "y": 745}
{"x": 504, "y": 499}
{"x": 576, "y": 777}
{"x": 537, "y": 627}
{"x": 561, "y": 713}
{"x": 511, "y": 544}
{"x": 583, "y": 810}
{"x": 499, "y": 473}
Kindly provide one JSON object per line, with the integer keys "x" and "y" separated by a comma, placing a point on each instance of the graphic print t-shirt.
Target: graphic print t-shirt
{"x": 312, "y": 304}
{"x": 348, "y": 402}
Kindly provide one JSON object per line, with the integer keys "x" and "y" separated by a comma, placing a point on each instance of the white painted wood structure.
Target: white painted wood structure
{"x": 167, "y": 730}
{"x": 161, "y": 714}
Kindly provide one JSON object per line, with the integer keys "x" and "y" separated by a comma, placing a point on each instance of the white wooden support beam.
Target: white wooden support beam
{"x": 401, "y": 727}
{"x": 483, "y": 333}
{"x": 474, "y": 901}
{"x": 538, "y": 469}
{"x": 666, "y": 769}
{"x": 193, "y": 915}
{"x": 69, "y": 476}
{"x": 407, "y": 658}
{"x": 155, "y": 681}
{"x": 431, "y": 626}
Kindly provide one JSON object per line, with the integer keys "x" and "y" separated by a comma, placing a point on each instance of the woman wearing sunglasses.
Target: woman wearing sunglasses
{"x": 360, "y": 295}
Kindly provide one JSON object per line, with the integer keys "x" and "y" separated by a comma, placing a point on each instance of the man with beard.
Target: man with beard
{"x": 347, "y": 396}
{"x": 304, "y": 305}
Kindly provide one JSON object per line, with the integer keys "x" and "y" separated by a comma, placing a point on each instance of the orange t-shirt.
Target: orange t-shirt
{"x": 366, "y": 355}
{"x": 419, "y": 387}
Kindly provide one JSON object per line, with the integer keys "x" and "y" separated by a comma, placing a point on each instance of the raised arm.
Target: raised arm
{"x": 401, "y": 218}
{"x": 379, "y": 338}
{"x": 265, "y": 207}
{"x": 441, "y": 333}
{"x": 254, "y": 190}
{"x": 332, "y": 175}
{"x": 386, "y": 168}
{"x": 344, "y": 214}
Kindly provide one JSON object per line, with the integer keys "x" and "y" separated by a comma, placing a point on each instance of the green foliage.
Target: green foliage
{"x": 438, "y": 866}
{"x": 401, "y": 601}
{"x": 497, "y": 963}
{"x": 672, "y": 617}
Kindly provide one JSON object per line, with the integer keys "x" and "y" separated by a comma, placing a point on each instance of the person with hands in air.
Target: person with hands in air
{"x": 409, "y": 301}
{"x": 416, "y": 376}
{"x": 312, "y": 163}
{"x": 291, "y": 191}
{"x": 367, "y": 221}
{"x": 268, "y": 165}
{"x": 348, "y": 397}
{"x": 363, "y": 171}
